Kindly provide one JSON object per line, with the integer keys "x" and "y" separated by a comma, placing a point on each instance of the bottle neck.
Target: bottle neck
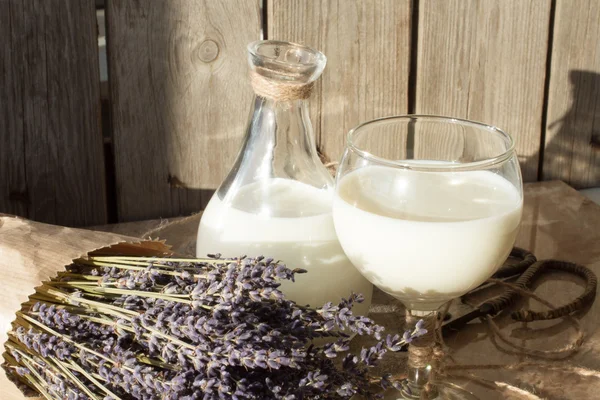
{"x": 279, "y": 143}
{"x": 283, "y": 126}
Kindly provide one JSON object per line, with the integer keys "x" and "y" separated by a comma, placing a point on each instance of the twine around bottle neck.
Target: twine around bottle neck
{"x": 279, "y": 90}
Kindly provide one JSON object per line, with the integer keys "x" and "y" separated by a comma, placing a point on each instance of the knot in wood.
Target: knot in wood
{"x": 208, "y": 51}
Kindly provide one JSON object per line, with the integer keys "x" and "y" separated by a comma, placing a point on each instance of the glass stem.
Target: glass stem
{"x": 421, "y": 363}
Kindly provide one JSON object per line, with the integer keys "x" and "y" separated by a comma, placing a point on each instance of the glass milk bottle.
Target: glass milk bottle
{"x": 276, "y": 200}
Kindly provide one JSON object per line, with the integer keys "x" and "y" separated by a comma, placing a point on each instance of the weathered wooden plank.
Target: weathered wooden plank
{"x": 572, "y": 148}
{"x": 54, "y": 164}
{"x": 367, "y": 44}
{"x": 179, "y": 96}
{"x": 486, "y": 60}
{"x": 13, "y": 184}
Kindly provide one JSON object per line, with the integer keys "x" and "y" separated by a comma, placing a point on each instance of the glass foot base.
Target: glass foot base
{"x": 445, "y": 391}
{"x": 406, "y": 395}
{"x": 414, "y": 393}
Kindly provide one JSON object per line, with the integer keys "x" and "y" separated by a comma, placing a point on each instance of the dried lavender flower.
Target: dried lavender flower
{"x": 139, "y": 328}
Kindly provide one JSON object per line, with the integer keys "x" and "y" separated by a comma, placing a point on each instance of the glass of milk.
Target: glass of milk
{"x": 277, "y": 199}
{"x": 427, "y": 208}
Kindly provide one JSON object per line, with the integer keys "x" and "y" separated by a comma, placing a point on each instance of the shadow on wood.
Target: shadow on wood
{"x": 572, "y": 151}
{"x": 51, "y": 166}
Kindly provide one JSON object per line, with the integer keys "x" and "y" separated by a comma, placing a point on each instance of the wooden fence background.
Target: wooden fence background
{"x": 178, "y": 95}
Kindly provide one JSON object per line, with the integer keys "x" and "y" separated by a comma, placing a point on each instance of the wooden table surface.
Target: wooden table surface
{"x": 558, "y": 223}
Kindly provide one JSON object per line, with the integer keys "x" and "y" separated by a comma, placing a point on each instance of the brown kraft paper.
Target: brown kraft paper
{"x": 32, "y": 252}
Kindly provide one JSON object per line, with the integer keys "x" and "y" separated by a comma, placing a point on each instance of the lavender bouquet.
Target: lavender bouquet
{"x": 166, "y": 328}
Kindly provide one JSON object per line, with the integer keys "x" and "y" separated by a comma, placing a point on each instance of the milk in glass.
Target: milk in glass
{"x": 426, "y": 237}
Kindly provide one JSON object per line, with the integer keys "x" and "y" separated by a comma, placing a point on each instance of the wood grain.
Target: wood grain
{"x": 572, "y": 146}
{"x": 486, "y": 61}
{"x": 51, "y": 162}
{"x": 180, "y": 98}
{"x": 13, "y": 181}
{"x": 367, "y": 44}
